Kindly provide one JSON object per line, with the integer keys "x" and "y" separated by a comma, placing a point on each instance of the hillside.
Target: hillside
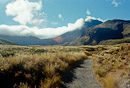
{"x": 66, "y": 38}
{"x": 94, "y": 32}
{"x": 62, "y": 39}
{"x": 30, "y": 40}
{"x": 7, "y": 42}
{"x": 115, "y": 41}
{"x": 111, "y": 29}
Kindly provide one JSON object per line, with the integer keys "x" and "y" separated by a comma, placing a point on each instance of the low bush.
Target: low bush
{"x": 38, "y": 70}
{"x": 7, "y": 53}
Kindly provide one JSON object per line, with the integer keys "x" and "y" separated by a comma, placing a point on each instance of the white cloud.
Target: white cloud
{"x": 44, "y": 33}
{"x": 89, "y": 18}
{"x": 88, "y": 12}
{"x": 24, "y": 11}
{"x": 115, "y": 3}
{"x": 61, "y": 17}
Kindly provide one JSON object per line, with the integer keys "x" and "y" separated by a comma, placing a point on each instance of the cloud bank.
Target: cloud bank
{"x": 44, "y": 33}
{"x": 25, "y": 12}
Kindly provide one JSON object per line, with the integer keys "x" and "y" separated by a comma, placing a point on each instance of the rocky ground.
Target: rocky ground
{"x": 83, "y": 77}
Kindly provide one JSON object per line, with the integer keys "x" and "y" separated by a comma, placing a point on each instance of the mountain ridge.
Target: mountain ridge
{"x": 111, "y": 29}
{"x": 92, "y": 33}
{"x": 7, "y": 42}
{"x": 62, "y": 39}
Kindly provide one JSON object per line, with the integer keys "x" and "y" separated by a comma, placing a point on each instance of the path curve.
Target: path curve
{"x": 84, "y": 77}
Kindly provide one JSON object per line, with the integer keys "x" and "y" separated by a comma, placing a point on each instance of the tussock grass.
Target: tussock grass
{"x": 110, "y": 61}
{"x": 37, "y": 67}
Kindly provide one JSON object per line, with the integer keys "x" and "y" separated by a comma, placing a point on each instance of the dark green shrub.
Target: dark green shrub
{"x": 7, "y": 53}
{"x": 39, "y": 51}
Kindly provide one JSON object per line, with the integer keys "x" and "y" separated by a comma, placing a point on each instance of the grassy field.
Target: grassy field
{"x": 111, "y": 64}
{"x": 36, "y": 66}
{"x": 45, "y": 66}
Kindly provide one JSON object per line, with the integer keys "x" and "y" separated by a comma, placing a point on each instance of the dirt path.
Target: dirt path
{"x": 82, "y": 76}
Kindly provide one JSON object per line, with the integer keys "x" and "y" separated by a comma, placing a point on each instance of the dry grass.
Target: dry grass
{"x": 110, "y": 62}
{"x": 36, "y": 66}
{"x": 44, "y": 66}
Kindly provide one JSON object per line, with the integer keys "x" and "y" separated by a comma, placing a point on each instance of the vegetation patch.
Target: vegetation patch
{"x": 111, "y": 63}
{"x": 115, "y": 41}
{"x": 36, "y": 67}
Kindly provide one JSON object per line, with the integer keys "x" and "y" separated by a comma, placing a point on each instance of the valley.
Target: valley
{"x": 94, "y": 32}
{"x": 64, "y": 44}
{"x": 101, "y": 47}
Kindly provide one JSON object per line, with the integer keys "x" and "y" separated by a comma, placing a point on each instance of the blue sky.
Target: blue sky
{"x": 59, "y": 13}
{"x": 74, "y": 9}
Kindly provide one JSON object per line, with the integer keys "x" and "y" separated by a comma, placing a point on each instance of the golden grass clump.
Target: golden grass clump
{"x": 110, "y": 62}
{"x": 37, "y": 68}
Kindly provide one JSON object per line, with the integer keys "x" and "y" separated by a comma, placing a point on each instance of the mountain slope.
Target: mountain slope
{"x": 111, "y": 29}
{"x": 63, "y": 39}
{"x": 66, "y": 38}
{"x": 30, "y": 40}
{"x": 115, "y": 41}
{"x": 7, "y": 42}
{"x": 93, "y": 32}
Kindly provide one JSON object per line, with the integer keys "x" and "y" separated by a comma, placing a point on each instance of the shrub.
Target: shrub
{"x": 44, "y": 69}
{"x": 39, "y": 51}
{"x": 128, "y": 47}
{"x": 7, "y": 53}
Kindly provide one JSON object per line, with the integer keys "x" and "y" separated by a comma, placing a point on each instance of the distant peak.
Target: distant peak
{"x": 118, "y": 20}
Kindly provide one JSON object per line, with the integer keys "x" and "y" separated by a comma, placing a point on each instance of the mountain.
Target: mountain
{"x": 30, "y": 40}
{"x": 66, "y": 38}
{"x": 63, "y": 39}
{"x": 111, "y": 29}
{"x": 7, "y": 42}
{"x": 115, "y": 41}
{"x": 94, "y": 32}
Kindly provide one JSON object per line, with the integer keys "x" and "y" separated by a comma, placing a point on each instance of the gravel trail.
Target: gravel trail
{"x": 83, "y": 77}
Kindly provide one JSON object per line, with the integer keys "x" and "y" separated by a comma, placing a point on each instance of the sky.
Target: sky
{"x": 51, "y": 18}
